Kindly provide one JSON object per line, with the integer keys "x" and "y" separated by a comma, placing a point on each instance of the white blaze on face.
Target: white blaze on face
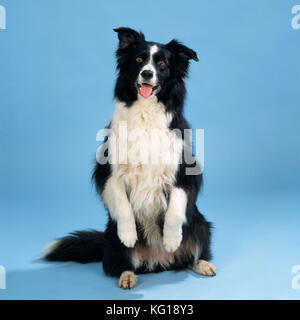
{"x": 151, "y": 67}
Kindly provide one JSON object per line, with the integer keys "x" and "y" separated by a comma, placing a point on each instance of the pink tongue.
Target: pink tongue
{"x": 146, "y": 90}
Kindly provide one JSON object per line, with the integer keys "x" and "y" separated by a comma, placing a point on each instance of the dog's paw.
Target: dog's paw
{"x": 127, "y": 280}
{"x": 127, "y": 232}
{"x": 172, "y": 242}
{"x": 205, "y": 268}
{"x": 128, "y": 238}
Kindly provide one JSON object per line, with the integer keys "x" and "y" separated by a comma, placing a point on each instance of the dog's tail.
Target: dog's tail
{"x": 79, "y": 246}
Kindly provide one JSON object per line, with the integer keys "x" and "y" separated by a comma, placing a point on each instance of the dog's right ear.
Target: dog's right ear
{"x": 128, "y": 37}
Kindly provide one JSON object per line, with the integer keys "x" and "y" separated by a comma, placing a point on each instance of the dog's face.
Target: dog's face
{"x": 148, "y": 67}
{"x": 152, "y": 62}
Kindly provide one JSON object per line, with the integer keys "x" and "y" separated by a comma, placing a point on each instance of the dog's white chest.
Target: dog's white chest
{"x": 145, "y": 155}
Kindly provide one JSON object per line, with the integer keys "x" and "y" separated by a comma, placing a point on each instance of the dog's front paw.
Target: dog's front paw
{"x": 172, "y": 242}
{"x": 127, "y": 232}
{"x": 128, "y": 238}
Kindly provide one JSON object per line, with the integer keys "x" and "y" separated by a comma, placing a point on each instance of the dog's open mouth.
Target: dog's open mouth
{"x": 146, "y": 89}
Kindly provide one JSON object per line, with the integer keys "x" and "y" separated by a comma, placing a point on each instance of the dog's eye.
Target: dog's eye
{"x": 161, "y": 63}
{"x": 139, "y": 59}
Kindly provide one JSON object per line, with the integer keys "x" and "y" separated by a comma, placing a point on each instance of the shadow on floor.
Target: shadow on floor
{"x": 77, "y": 281}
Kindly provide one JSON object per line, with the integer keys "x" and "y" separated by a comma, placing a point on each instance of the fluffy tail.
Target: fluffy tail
{"x": 79, "y": 246}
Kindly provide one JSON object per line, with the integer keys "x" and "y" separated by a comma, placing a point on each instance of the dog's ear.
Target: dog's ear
{"x": 181, "y": 50}
{"x": 128, "y": 37}
{"x": 182, "y": 55}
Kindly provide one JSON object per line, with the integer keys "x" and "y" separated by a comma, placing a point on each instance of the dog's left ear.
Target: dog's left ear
{"x": 182, "y": 55}
{"x": 181, "y": 50}
{"x": 128, "y": 37}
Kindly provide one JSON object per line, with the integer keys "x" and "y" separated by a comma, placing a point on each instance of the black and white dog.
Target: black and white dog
{"x": 153, "y": 221}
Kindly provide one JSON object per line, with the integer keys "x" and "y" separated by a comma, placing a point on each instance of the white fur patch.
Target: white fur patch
{"x": 115, "y": 198}
{"x": 134, "y": 180}
{"x": 150, "y": 66}
{"x": 175, "y": 217}
{"x": 50, "y": 247}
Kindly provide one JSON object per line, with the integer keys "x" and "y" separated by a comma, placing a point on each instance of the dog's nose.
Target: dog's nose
{"x": 147, "y": 74}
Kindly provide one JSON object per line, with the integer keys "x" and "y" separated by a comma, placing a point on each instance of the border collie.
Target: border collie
{"x": 153, "y": 221}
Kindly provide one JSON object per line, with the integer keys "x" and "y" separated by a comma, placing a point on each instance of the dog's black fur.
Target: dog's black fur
{"x": 87, "y": 246}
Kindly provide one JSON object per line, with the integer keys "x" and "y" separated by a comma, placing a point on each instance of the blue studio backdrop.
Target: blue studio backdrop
{"x": 57, "y": 72}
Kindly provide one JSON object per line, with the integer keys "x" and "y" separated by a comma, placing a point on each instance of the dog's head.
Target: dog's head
{"x": 146, "y": 68}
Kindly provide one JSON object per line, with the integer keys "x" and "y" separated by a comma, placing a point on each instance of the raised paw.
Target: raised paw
{"x": 171, "y": 243}
{"x": 128, "y": 238}
{"x": 127, "y": 280}
{"x": 205, "y": 268}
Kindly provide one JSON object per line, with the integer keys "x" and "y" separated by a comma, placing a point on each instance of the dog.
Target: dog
{"x": 153, "y": 221}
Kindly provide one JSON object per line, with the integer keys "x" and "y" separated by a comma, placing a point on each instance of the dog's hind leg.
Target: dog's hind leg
{"x": 201, "y": 230}
{"x": 117, "y": 261}
{"x": 204, "y": 268}
{"x": 127, "y": 280}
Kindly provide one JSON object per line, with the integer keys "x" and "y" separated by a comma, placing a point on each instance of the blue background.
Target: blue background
{"x": 57, "y": 72}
